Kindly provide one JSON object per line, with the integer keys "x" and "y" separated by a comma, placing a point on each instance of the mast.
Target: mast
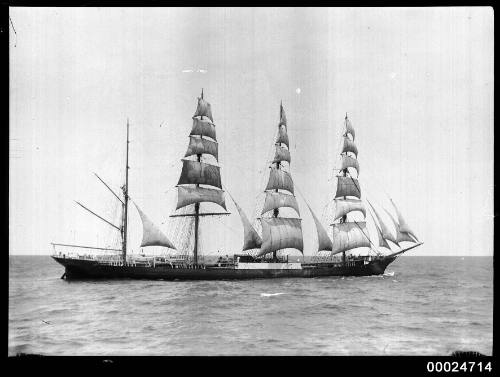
{"x": 197, "y": 172}
{"x": 276, "y": 211}
{"x": 197, "y": 208}
{"x": 280, "y": 232}
{"x": 346, "y": 234}
{"x": 125, "y": 204}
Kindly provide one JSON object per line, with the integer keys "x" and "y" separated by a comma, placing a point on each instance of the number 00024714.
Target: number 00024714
{"x": 459, "y": 366}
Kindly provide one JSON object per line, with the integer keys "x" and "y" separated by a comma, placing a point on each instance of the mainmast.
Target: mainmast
{"x": 348, "y": 235}
{"x": 125, "y": 204}
{"x": 196, "y": 172}
{"x": 280, "y": 232}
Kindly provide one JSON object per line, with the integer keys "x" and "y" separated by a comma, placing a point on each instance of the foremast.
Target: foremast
{"x": 280, "y": 232}
{"x": 196, "y": 172}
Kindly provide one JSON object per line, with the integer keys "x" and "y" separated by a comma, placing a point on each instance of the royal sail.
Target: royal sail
{"x": 349, "y": 146}
{"x": 202, "y": 146}
{"x": 281, "y": 154}
{"x": 203, "y": 127}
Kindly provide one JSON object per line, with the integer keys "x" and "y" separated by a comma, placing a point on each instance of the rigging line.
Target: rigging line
{"x": 95, "y": 214}
{"x": 13, "y": 28}
{"x": 355, "y": 222}
{"x": 116, "y": 196}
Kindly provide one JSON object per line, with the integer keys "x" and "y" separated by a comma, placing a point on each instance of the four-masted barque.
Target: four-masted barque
{"x": 264, "y": 255}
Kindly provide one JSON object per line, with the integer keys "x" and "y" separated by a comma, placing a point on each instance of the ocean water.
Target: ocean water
{"x": 421, "y": 306}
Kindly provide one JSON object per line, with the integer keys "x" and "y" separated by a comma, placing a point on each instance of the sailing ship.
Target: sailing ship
{"x": 264, "y": 255}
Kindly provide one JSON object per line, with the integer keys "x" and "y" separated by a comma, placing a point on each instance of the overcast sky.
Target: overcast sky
{"x": 417, "y": 85}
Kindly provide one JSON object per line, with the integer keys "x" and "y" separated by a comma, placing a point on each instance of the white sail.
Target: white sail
{"x": 349, "y": 146}
{"x": 279, "y": 180}
{"x": 403, "y": 226}
{"x": 281, "y": 154}
{"x": 344, "y": 206}
{"x": 324, "y": 242}
{"x": 280, "y": 233}
{"x": 201, "y": 146}
{"x": 349, "y": 162}
{"x": 203, "y": 109}
{"x": 347, "y": 186}
{"x": 350, "y": 235}
{"x": 278, "y": 200}
{"x": 282, "y": 115}
{"x": 191, "y": 195}
{"x": 400, "y": 236}
{"x": 194, "y": 172}
{"x": 203, "y": 127}
{"x": 386, "y": 233}
{"x": 282, "y": 136}
{"x": 251, "y": 239}
{"x": 381, "y": 240}
{"x": 151, "y": 234}
{"x": 349, "y": 128}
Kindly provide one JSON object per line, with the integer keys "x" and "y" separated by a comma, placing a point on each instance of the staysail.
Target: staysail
{"x": 400, "y": 236}
{"x": 403, "y": 226}
{"x": 324, "y": 242}
{"x": 386, "y": 233}
{"x": 381, "y": 240}
{"x": 251, "y": 239}
{"x": 151, "y": 234}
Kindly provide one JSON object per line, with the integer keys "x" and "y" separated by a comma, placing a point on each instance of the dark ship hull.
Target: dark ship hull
{"x": 90, "y": 269}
